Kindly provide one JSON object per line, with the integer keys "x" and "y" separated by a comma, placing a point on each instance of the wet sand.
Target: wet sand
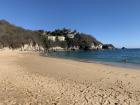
{"x": 30, "y": 79}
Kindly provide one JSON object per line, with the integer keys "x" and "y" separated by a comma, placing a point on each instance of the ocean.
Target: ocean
{"x": 126, "y": 57}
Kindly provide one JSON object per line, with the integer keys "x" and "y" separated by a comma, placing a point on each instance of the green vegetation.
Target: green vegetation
{"x": 16, "y": 37}
{"x": 83, "y": 41}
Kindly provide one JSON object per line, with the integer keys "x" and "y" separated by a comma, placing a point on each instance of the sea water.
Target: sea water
{"x": 126, "y": 57}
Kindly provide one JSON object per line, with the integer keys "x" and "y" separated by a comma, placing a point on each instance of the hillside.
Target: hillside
{"x": 16, "y": 37}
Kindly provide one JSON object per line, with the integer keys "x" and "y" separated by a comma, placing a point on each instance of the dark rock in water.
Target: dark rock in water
{"x": 123, "y": 48}
{"x": 108, "y": 46}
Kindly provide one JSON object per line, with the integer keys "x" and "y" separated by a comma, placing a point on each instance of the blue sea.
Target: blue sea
{"x": 119, "y": 57}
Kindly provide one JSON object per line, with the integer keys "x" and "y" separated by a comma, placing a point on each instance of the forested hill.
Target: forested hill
{"x": 15, "y": 37}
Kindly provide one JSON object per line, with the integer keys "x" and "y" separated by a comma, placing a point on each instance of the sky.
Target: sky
{"x": 110, "y": 21}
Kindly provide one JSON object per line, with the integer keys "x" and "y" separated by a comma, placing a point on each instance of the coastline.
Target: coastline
{"x": 123, "y": 58}
{"x": 116, "y": 64}
{"x": 33, "y": 79}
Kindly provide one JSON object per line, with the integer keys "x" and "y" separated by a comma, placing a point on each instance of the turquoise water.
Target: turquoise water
{"x": 118, "y": 56}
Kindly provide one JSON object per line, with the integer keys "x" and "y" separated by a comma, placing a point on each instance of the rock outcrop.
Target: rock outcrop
{"x": 108, "y": 46}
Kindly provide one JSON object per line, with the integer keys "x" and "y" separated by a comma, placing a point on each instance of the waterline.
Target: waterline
{"x": 124, "y": 58}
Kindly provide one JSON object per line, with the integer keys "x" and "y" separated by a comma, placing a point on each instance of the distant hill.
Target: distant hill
{"x": 16, "y": 37}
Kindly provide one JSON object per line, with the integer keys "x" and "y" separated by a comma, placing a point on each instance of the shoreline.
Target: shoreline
{"x": 33, "y": 79}
{"x": 116, "y": 64}
{"x": 119, "y": 58}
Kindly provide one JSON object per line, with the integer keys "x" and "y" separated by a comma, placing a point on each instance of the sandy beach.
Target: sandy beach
{"x": 30, "y": 79}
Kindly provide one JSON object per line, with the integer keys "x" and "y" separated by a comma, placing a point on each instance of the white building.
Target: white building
{"x": 53, "y": 38}
{"x": 61, "y": 38}
{"x": 71, "y": 36}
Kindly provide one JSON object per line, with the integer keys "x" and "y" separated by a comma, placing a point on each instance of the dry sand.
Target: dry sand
{"x": 29, "y": 79}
